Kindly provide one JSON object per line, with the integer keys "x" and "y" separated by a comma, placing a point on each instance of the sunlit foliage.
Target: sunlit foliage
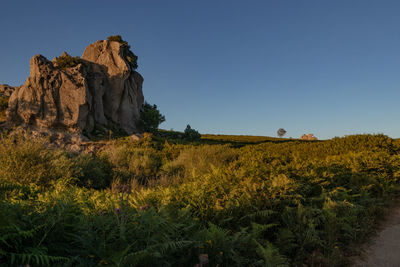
{"x": 66, "y": 61}
{"x": 160, "y": 203}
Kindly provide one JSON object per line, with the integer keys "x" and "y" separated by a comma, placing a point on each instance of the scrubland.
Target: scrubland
{"x": 219, "y": 201}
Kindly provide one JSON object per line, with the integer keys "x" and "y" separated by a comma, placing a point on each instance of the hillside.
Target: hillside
{"x": 222, "y": 200}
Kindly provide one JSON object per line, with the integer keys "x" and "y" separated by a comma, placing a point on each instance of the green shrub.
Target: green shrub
{"x": 150, "y": 118}
{"x": 66, "y": 61}
{"x": 117, "y": 38}
{"x": 3, "y": 107}
{"x": 132, "y": 59}
{"x": 93, "y": 172}
{"x": 191, "y": 134}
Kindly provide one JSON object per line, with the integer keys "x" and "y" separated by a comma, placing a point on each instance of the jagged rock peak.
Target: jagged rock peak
{"x": 101, "y": 90}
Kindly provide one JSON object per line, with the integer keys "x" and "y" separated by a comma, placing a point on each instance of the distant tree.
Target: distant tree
{"x": 191, "y": 134}
{"x": 150, "y": 118}
{"x": 281, "y": 132}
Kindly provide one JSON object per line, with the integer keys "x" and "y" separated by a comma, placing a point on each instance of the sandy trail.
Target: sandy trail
{"x": 384, "y": 248}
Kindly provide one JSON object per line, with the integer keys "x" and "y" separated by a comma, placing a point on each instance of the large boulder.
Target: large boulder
{"x": 51, "y": 98}
{"x": 101, "y": 91}
{"x": 123, "y": 97}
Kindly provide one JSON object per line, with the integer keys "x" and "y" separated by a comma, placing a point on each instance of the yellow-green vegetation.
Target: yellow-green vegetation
{"x": 3, "y": 107}
{"x": 66, "y": 61}
{"x": 161, "y": 202}
{"x": 242, "y": 139}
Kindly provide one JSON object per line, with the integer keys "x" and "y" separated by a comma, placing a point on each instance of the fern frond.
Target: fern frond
{"x": 135, "y": 258}
{"x": 16, "y": 233}
{"x": 271, "y": 256}
{"x": 38, "y": 259}
{"x": 262, "y": 214}
{"x": 258, "y": 229}
{"x": 173, "y": 245}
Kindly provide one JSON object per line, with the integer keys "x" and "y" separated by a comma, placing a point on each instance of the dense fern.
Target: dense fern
{"x": 14, "y": 251}
{"x": 176, "y": 204}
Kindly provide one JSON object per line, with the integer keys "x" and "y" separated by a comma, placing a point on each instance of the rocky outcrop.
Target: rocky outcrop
{"x": 101, "y": 91}
{"x": 308, "y": 137}
{"x": 122, "y": 97}
{"x": 6, "y": 90}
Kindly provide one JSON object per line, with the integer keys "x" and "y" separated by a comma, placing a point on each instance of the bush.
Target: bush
{"x": 24, "y": 161}
{"x": 117, "y": 38}
{"x": 191, "y": 134}
{"x": 65, "y": 61}
{"x": 93, "y": 172}
{"x": 3, "y": 107}
{"x": 151, "y": 118}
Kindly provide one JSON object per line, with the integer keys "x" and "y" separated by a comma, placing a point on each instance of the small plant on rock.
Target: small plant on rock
{"x": 66, "y": 61}
{"x": 117, "y": 38}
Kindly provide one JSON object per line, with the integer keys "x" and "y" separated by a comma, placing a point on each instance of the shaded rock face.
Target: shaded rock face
{"x": 101, "y": 91}
{"x": 122, "y": 96}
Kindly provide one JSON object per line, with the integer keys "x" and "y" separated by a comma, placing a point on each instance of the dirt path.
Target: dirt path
{"x": 384, "y": 248}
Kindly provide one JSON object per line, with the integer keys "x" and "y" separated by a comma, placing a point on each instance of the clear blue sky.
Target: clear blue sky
{"x": 331, "y": 68}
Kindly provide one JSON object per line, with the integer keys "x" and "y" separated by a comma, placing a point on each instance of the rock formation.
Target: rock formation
{"x": 6, "y": 90}
{"x": 308, "y": 137}
{"x": 101, "y": 91}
